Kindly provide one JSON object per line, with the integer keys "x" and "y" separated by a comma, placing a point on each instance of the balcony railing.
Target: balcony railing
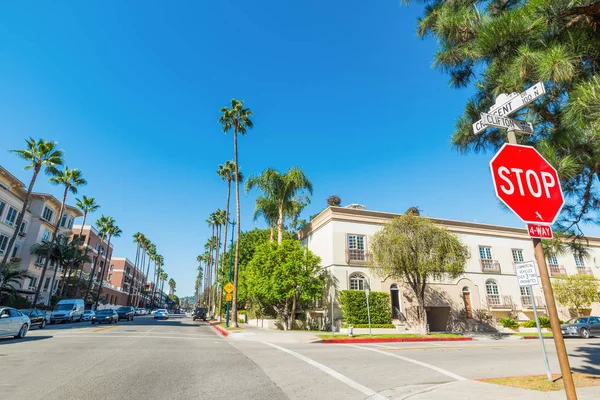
{"x": 556, "y": 269}
{"x": 497, "y": 301}
{"x": 490, "y": 266}
{"x": 355, "y": 256}
{"x": 584, "y": 271}
{"x": 527, "y": 303}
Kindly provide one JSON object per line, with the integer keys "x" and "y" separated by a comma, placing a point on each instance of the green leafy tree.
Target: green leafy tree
{"x": 281, "y": 190}
{"x": 71, "y": 179}
{"x": 39, "y": 154}
{"x": 577, "y": 292}
{"x": 507, "y": 46}
{"x": 108, "y": 228}
{"x": 238, "y": 118}
{"x": 284, "y": 276}
{"x": 413, "y": 249}
{"x": 354, "y": 306}
{"x": 11, "y": 277}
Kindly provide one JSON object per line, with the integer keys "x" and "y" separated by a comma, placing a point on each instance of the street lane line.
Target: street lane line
{"x": 152, "y": 329}
{"x": 334, "y": 374}
{"x": 433, "y": 367}
{"x": 104, "y": 329}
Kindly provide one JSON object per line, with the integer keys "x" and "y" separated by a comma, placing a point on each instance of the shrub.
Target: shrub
{"x": 373, "y": 326}
{"x": 508, "y": 323}
{"x": 529, "y": 324}
{"x": 544, "y": 323}
{"x": 354, "y": 305}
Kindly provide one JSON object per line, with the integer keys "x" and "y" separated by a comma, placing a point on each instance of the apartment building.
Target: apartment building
{"x": 341, "y": 237}
{"x": 126, "y": 277}
{"x": 12, "y": 195}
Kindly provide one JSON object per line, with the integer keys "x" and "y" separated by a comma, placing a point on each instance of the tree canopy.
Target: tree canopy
{"x": 577, "y": 292}
{"x": 505, "y": 46}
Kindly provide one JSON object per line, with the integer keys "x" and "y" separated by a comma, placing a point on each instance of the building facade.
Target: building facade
{"x": 12, "y": 195}
{"x": 126, "y": 277}
{"x": 341, "y": 237}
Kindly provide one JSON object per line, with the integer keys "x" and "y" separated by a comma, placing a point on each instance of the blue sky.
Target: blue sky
{"x": 132, "y": 91}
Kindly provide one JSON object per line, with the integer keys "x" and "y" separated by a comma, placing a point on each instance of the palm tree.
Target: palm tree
{"x": 267, "y": 208}
{"x": 334, "y": 200}
{"x": 39, "y": 154}
{"x": 58, "y": 253}
{"x": 226, "y": 172}
{"x": 163, "y": 278}
{"x": 103, "y": 221}
{"x": 71, "y": 179}
{"x": 158, "y": 263}
{"x": 111, "y": 230}
{"x": 282, "y": 189}
{"x": 151, "y": 250}
{"x": 172, "y": 286}
{"x": 416, "y": 211}
{"x": 238, "y": 118}
{"x": 11, "y": 276}
{"x": 138, "y": 238}
{"x": 86, "y": 205}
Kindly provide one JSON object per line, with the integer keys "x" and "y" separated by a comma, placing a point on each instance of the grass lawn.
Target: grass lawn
{"x": 231, "y": 328}
{"x": 544, "y": 334}
{"x": 389, "y": 335}
{"x": 541, "y": 382}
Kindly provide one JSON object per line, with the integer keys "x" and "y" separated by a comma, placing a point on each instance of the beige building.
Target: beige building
{"x": 341, "y": 237}
{"x": 12, "y": 194}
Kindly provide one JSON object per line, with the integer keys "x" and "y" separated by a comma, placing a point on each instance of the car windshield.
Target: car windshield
{"x": 64, "y": 307}
{"x": 88, "y": 312}
{"x": 163, "y": 311}
{"x": 104, "y": 312}
{"x": 578, "y": 321}
{"x": 26, "y": 311}
{"x": 123, "y": 309}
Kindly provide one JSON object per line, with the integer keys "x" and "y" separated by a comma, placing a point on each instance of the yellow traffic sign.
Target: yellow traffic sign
{"x": 228, "y": 288}
{"x": 228, "y": 297}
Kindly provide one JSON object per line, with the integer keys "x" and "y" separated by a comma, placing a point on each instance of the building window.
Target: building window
{"x": 39, "y": 261}
{"x": 579, "y": 260}
{"x": 55, "y": 285}
{"x": 46, "y": 236}
{"x": 47, "y": 214}
{"x": 485, "y": 252}
{"x": 356, "y": 247}
{"x": 33, "y": 281}
{"x": 525, "y": 291}
{"x": 15, "y": 251}
{"x": 358, "y": 282}
{"x": 46, "y": 284}
{"x": 3, "y": 243}
{"x": 493, "y": 293}
{"x": 112, "y": 267}
{"x": 22, "y": 228}
{"x": 71, "y": 220}
{"x": 552, "y": 260}
{"x": 2, "y": 205}
{"x": 517, "y": 255}
{"x": 11, "y": 216}
{"x": 109, "y": 277}
{"x": 63, "y": 221}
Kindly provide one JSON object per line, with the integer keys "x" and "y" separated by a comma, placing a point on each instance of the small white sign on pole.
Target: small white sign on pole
{"x": 527, "y": 273}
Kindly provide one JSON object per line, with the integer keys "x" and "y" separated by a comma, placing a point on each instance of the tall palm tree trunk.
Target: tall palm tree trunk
{"x": 72, "y": 262}
{"x": 226, "y": 217}
{"x": 52, "y": 242}
{"x": 93, "y": 270}
{"x": 104, "y": 267}
{"x": 129, "y": 296}
{"x": 237, "y": 227}
{"x": 20, "y": 217}
{"x": 280, "y": 225}
{"x": 147, "y": 276}
{"x": 154, "y": 287}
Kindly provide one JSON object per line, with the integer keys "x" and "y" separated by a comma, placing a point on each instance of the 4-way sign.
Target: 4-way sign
{"x": 527, "y": 184}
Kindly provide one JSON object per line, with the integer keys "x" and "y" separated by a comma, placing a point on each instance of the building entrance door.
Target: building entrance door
{"x": 467, "y": 300}
{"x": 394, "y": 293}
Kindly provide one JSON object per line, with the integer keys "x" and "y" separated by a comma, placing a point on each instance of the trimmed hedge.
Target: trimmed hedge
{"x": 354, "y": 305}
{"x": 544, "y": 323}
{"x": 373, "y": 326}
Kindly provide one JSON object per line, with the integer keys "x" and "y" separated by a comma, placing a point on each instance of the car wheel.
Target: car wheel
{"x": 93, "y": 322}
{"x": 71, "y": 320}
{"x": 585, "y": 333}
{"x": 80, "y": 318}
{"x": 43, "y": 324}
{"x": 22, "y": 332}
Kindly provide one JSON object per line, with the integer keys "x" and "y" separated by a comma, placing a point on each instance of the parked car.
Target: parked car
{"x": 13, "y": 322}
{"x": 68, "y": 310}
{"x": 140, "y": 311}
{"x": 36, "y": 316}
{"x": 88, "y": 314}
{"x": 161, "y": 314}
{"x": 126, "y": 312}
{"x": 109, "y": 316}
{"x": 582, "y": 327}
{"x": 199, "y": 313}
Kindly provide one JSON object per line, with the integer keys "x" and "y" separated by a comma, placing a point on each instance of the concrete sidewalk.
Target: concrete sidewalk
{"x": 465, "y": 390}
{"x": 252, "y": 333}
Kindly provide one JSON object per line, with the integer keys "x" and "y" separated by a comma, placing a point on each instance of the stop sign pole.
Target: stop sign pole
{"x": 543, "y": 193}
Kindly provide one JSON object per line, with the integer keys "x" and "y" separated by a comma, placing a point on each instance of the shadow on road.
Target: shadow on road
{"x": 589, "y": 354}
{"x": 25, "y": 339}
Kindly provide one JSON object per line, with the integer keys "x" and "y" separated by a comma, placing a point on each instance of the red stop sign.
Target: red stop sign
{"x": 527, "y": 184}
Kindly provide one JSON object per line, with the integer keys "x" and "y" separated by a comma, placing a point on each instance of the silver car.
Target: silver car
{"x": 13, "y": 322}
{"x": 88, "y": 314}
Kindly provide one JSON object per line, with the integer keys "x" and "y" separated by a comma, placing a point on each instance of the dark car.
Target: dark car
{"x": 126, "y": 312}
{"x": 37, "y": 317}
{"x": 199, "y": 313}
{"x": 108, "y": 316}
{"x": 582, "y": 327}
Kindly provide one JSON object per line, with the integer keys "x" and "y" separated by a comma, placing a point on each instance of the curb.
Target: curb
{"x": 535, "y": 337}
{"x": 383, "y": 340}
{"x": 222, "y": 331}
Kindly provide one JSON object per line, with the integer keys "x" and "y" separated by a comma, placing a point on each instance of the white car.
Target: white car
{"x": 13, "y": 322}
{"x": 161, "y": 314}
{"x": 88, "y": 314}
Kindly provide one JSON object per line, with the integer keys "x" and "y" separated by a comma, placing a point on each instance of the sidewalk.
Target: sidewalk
{"x": 255, "y": 334}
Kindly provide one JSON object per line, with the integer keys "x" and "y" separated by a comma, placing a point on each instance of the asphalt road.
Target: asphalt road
{"x": 182, "y": 359}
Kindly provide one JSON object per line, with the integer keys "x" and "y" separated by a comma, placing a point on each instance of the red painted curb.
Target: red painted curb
{"x": 382, "y": 340}
{"x": 535, "y": 337}
{"x": 220, "y": 330}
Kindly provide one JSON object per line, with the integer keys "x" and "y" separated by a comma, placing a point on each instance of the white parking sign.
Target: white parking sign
{"x": 527, "y": 273}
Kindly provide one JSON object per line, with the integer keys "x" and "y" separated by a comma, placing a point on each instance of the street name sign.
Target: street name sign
{"x": 527, "y": 184}
{"x": 539, "y": 231}
{"x": 512, "y": 104}
{"x": 527, "y": 273}
{"x": 228, "y": 297}
{"x": 508, "y": 123}
{"x": 228, "y": 288}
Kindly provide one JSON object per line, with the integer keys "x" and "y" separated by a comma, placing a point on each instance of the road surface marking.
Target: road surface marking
{"x": 342, "y": 378}
{"x": 103, "y": 329}
{"x": 433, "y": 367}
{"x": 152, "y": 329}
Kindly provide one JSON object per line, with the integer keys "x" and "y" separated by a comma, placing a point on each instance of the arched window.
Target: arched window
{"x": 493, "y": 292}
{"x": 358, "y": 282}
